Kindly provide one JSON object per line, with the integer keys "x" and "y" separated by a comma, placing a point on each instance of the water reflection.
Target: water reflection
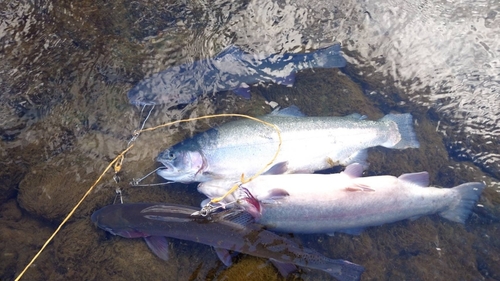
{"x": 67, "y": 66}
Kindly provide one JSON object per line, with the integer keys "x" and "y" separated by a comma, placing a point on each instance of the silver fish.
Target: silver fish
{"x": 232, "y": 69}
{"x": 345, "y": 202}
{"x": 308, "y": 144}
{"x": 228, "y": 230}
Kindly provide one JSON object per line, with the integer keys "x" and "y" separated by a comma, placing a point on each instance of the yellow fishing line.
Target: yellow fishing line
{"x": 117, "y": 164}
{"x": 73, "y": 210}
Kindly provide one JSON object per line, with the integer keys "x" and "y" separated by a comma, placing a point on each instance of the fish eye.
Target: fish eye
{"x": 169, "y": 155}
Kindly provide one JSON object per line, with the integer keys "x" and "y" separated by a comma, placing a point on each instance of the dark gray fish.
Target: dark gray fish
{"x": 231, "y": 69}
{"x": 229, "y": 229}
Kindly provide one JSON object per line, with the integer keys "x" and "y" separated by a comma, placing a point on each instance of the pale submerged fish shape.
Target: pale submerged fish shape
{"x": 308, "y": 144}
{"x": 227, "y": 230}
{"x": 232, "y": 69}
{"x": 345, "y": 202}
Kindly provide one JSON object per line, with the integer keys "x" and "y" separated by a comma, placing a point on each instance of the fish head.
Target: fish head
{"x": 181, "y": 165}
{"x": 111, "y": 220}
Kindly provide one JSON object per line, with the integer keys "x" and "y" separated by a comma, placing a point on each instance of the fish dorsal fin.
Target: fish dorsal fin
{"x": 240, "y": 217}
{"x": 420, "y": 179}
{"x": 354, "y": 170}
{"x": 291, "y": 111}
{"x": 158, "y": 245}
{"x": 277, "y": 169}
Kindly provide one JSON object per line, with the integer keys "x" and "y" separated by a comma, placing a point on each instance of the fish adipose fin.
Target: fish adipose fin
{"x": 158, "y": 245}
{"x": 405, "y": 128}
{"x": 468, "y": 195}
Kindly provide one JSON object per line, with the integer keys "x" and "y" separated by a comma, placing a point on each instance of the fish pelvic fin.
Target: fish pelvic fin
{"x": 404, "y": 123}
{"x": 224, "y": 256}
{"x": 344, "y": 270}
{"x": 158, "y": 245}
{"x": 468, "y": 193}
{"x": 284, "y": 268}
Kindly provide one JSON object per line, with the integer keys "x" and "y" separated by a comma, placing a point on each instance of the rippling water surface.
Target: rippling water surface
{"x": 67, "y": 67}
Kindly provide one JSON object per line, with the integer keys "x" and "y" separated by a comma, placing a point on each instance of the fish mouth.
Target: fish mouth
{"x": 143, "y": 103}
{"x": 166, "y": 170}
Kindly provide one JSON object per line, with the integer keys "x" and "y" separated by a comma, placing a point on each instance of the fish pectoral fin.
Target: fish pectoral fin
{"x": 276, "y": 194}
{"x": 291, "y": 111}
{"x": 420, "y": 179}
{"x": 359, "y": 187}
{"x": 158, "y": 245}
{"x": 278, "y": 169}
{"x": 357, "y": 116}
{"x": 224, "y": 256}
{"x": 352, "y": 231}
{"x": 284, "y": 268}
{"x": 243, "y": 91}
{"x": 414, "y": 218}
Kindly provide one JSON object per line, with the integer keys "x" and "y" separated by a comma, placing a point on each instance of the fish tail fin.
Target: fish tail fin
{"x": 404, "y": 123}
{"x": 468, "y": 195}
{"x": 345, "y": 270}
{"x": 329, "y": 57}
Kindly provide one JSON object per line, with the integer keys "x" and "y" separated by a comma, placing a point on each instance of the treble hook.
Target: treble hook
{"x": 135, "y": 182}
{"x": 136, "y": 133}
{"x": 209, "y": 208}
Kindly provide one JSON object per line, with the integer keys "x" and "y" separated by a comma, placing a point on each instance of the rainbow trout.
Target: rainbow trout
{"x": 345, "y": 202}
{"x": 308, "y": 144}
{"x": 232, "y": 69}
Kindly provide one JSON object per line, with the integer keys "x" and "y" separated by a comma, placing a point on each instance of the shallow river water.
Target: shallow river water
{"x": 64, "y": 115}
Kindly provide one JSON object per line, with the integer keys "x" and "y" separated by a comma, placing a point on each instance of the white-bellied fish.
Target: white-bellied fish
{"x": 308, "y": 144}
{"x": 232, "y": 69}
{"x": 227, "y": 230}
{"x": 345, "y": 202}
